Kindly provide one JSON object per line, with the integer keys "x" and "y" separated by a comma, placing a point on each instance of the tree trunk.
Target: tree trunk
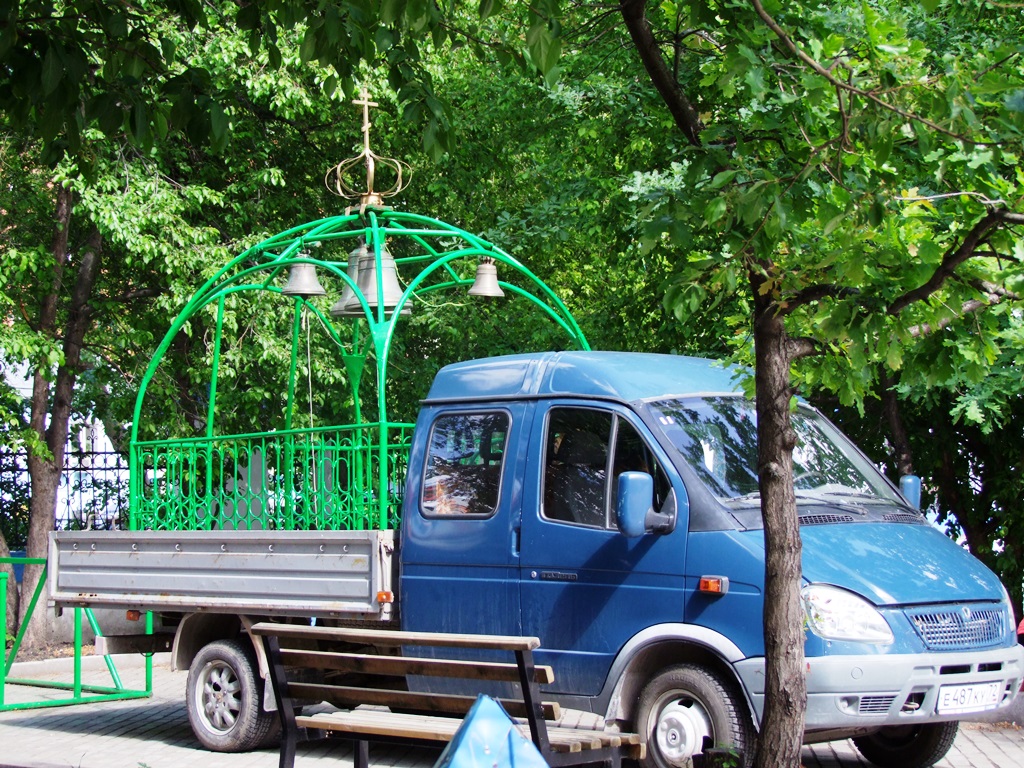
{"x": 904, "y": 457}
{"x": 782, "y": 725}
{"x": 51, "y": 404}
{"x": 634, "y": 13}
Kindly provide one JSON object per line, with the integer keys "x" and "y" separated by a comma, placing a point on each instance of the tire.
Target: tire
{"x": 682, "y": 706}
{"x": 908, "y": 746}
{"x": 223, "y": 697}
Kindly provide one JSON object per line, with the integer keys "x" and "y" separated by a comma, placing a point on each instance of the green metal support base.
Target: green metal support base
{"x": 80, "y": 692}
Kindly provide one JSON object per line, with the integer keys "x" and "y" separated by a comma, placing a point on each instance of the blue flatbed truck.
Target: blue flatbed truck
{"x": 606, "y": 503}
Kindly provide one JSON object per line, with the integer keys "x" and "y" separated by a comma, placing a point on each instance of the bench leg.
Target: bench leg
{"x": 285, "y": 708}
{"x": 361, "y": 754}
{"x": 289, "y": 735}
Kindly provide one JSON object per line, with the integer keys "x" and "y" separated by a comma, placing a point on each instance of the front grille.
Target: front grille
{"x": 959, "y": 627}
{"x": 875, "y": 705}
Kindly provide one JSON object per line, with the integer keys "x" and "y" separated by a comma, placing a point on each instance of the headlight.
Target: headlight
{"x": 836, "y": 614}
{"x": 1008, "y": 610}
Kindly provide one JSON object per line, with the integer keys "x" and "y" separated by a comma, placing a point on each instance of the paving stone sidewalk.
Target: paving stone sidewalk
{"x": 154, "y": 733}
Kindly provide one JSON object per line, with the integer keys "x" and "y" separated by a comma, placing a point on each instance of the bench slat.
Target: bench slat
{"x": 399, "y": 666}
{"x": 353, "y": 696}
{"x": 429, "y": 727}
{"x": 383, "y": 724}
{"x": 393, "y": 639}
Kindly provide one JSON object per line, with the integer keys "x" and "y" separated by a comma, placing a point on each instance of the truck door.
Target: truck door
{"x": 586, "y": 588}
{"x": 460, "y": 522}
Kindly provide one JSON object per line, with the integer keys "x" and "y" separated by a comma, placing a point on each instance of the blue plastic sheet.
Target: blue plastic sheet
{"x": 488, "y": 738}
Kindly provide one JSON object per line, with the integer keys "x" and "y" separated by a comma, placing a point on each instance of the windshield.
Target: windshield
{"x": 717, "y": 437}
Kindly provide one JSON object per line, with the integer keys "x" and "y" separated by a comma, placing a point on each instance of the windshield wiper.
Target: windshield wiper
{"x": 875, "y": 498}
{"x": 745, "y": 497}
{"x": 820, "y": 497}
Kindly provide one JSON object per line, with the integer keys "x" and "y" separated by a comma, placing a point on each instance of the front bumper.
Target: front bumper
{"x": 867, "y": 691}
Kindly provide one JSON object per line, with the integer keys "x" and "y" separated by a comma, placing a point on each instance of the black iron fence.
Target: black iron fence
{"x": 93, "y": 492}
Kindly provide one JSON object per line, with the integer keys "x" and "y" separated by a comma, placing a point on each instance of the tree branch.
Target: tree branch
{"x": 902, "y": 454}
{"x": 78, "y": 322}
{"x": 138, "y": 293}
{"x": 801, "y": 347}
{"x": 815, "y": 293}
{"x": 953, "y": 258}
{"x": 634, "y": 13}
{"x": 968, "y": 307}
{"x": 839, "y": 84}
{"x": 995, "y": 294}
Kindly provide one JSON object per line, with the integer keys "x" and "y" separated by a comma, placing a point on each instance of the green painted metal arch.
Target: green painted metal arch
{"x": 436, "y": 249}
{"x": 281, "y": 251}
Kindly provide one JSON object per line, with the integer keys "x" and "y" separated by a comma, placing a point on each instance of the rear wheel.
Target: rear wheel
{"x": 223, "y": 696}
{"x": 908, "y": 746}
{"x": 683, "y": 706}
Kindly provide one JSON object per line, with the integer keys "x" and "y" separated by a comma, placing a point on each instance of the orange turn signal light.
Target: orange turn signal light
{"x": 713, "y": 585}
{"x": 385, "y": 597}
{"x": 133, "y": 615}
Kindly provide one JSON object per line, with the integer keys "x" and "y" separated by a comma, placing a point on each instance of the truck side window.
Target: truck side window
{"x": 576, "y": 466}
{"x": 576, "y": 478}
{"x": 633, "y": 455}
{"x": 463, "y": 470}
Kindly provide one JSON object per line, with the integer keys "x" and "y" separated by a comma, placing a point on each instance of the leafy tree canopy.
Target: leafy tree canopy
{"x": 118, "y": 66}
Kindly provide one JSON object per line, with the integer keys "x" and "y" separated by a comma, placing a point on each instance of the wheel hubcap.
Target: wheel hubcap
{"x": 680, "y": 730}
{"x": 219, "y": 690}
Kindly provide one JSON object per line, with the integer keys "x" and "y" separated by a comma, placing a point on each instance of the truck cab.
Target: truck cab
{"x": 608, "y": 504}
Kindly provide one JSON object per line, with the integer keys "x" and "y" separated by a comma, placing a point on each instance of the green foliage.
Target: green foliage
{"x": 167, "y": 217}
{"x": 540, "y": 172}
{"x": 125, "y": 68}
{"x": 852, "y": 185}
{"x": 14, "y": 490}
{"x": 78, "y": 64}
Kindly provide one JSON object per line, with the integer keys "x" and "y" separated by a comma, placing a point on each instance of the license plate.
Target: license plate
{"x": 956, "y": 699}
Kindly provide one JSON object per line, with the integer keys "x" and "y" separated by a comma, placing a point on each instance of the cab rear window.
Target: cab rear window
{"x": 463, "y": 470}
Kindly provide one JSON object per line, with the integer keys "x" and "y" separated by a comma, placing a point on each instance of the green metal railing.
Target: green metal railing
{"x": 296, "y": 480}
{"x": 80, "y": 692}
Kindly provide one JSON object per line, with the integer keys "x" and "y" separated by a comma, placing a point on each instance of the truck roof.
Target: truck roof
{"x": 623, "y": 376}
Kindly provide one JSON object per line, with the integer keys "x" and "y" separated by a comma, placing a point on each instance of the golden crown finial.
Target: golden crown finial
{"x": 336, "y": 180}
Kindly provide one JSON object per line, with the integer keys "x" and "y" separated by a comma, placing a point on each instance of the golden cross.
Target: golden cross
{"x": 342, "y": 188}
{"x": 365, "y": 103}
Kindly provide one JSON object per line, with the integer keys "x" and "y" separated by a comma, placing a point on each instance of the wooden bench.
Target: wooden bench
{"x": 363, "y": 671}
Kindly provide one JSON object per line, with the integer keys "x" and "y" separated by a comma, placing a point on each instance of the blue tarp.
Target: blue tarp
{"x": 18, "y": 567}
{"x": 489, "y": 738}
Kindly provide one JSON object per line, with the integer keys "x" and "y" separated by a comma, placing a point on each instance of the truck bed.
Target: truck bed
{"x": 288, "y": 573}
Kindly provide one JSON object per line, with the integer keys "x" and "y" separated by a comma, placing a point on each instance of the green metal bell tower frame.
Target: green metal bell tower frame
{"x": 345, "y": 476}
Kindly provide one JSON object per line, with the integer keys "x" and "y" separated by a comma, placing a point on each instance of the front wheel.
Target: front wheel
{"x": 683, "y": 706}
{"x": 223, "y": 698}
{"x": 908, "y": 746}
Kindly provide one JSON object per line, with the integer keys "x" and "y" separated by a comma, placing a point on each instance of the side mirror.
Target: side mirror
{"x": 910, "y": 487}
{"x": 633, "y": 509}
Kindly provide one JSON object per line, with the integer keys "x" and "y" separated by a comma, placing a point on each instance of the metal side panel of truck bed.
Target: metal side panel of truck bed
{"x": 297, "y": 573}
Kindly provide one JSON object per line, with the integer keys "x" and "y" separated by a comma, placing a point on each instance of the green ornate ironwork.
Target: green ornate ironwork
{"x": 311, "y": 479}
{"x": 348, "y": 476}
